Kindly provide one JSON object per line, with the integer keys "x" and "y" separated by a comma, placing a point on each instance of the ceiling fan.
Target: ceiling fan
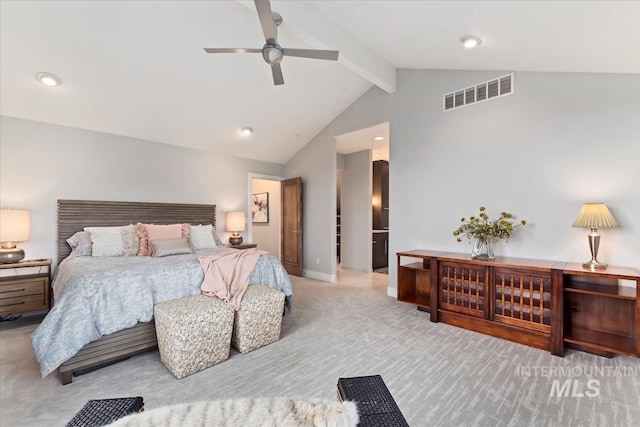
{"x": 272, "y": 52}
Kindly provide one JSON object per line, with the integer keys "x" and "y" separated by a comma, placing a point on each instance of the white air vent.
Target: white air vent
{"x": 491, "y": 89}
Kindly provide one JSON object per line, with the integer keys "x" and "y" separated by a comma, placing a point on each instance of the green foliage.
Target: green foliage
{"x": 483, "y": 228}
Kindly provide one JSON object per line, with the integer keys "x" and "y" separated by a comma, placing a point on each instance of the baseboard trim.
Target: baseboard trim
{"x": 392, "y": 292}
{"x": 319, "y": 276}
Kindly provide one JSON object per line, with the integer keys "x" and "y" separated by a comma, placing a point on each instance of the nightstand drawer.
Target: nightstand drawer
{"x": 22, "y": 287}
{"x": 23, "y": 303}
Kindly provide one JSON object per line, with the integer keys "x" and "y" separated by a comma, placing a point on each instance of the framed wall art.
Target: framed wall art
{"x": 260, "y": 208}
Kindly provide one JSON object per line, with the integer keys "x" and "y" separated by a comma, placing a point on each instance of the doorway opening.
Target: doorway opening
{"x": 264, "y": 213}
{"x": 362, "y": 217}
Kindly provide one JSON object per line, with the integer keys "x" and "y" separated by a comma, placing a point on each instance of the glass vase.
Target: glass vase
{"x": 483, "y": 249}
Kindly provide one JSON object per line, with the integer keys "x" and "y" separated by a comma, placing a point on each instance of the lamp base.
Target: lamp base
{"x": 11, "y": 255}
{"x": 594, "y": 244}
{"x": 235, "y": 239}
{"x": 594, "y": 264}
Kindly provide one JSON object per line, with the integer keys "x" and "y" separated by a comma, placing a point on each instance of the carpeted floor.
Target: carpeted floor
{"x": 439, "y": 375}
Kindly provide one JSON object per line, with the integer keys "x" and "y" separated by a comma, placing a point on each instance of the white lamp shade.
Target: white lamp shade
{"x": 595, "y": 215}
{"x": 235, "y": 221}
{"x": 14, "y": 225}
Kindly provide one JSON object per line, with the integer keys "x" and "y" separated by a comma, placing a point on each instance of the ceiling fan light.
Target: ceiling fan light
{"x": 48, "y": 79}
{"x": 272, "y": 54}
{"x": 470, "y": 42}
{"x": 246, "y": 131}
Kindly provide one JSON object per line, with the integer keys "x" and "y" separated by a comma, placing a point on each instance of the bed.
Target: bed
{"x": 104, "y": 305}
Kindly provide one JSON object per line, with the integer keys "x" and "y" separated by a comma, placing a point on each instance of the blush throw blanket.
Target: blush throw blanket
{"x": 226, "y": 274}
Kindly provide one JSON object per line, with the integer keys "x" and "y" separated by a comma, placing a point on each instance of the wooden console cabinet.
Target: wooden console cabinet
{"x": 544, "y": 304}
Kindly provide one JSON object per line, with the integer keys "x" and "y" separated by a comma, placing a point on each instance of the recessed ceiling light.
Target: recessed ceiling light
{"x": 379, "y": 138}
{"x": 470, "y": 41}
{"x": 246, "y": 131}
{"x": 48, "y": 79}
{"x": 376, "y": 155}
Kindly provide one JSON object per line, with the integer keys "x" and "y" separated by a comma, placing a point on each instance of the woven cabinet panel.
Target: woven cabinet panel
{"x": 463, "y": 288}
{"x": 259, "y": 320}
{"x": 193, "y": 333}
{"x": 523, "y": 298}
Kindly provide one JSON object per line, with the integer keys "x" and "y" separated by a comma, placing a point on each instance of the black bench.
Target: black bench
{"x": 374, "y": 401}
{"x": 101, "y": 412}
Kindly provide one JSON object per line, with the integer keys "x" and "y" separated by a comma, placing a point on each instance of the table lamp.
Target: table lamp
{"x": 14, "y": 227}
{"x": 235, "y": 222}
{"x": 594, "y": 216}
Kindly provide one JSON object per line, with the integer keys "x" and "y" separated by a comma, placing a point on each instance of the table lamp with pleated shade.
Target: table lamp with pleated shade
{"x": 594, "y": 216}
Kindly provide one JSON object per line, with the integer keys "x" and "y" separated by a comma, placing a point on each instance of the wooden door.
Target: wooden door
{"x": 379, "y": 255}
{"x": 292, "y": 226}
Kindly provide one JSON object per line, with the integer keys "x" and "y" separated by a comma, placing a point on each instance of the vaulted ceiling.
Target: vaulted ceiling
{"x": 137, "y": 68}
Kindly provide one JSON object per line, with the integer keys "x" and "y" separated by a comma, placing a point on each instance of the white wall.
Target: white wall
{"x": 356, "y": 212}
{"x": 561, "y": 140}
{"x": 267, "y": 236}
{"x": 40, "y": 163}
{"x": 316, "y": 165}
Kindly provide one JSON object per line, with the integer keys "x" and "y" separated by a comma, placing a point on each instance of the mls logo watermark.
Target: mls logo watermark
{"x": 576, "y": 381}
{"x": 575, "y": 388}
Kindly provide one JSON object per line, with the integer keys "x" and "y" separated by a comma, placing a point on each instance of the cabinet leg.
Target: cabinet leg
{"x": 557, "y": 351}
{"x": 557, "y": 313}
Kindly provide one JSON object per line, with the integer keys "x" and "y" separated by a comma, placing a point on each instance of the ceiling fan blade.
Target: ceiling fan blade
{"x": 278, "y": 79}
{"x": 331, "y": 55}
{"x": 230, "y": 50}
{"x": 268, "y": 26}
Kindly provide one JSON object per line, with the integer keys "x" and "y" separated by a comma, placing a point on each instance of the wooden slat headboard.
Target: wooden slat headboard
{"x": 74, "y": 215}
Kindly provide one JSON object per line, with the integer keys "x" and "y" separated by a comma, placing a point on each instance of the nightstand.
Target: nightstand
{"x": 24, "y": 286}
{"x": 243, "y": 246}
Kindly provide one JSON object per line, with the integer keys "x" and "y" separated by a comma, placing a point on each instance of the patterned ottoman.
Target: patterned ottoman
{"x": 259, "y": 319}
{"x": 193, "y": 333}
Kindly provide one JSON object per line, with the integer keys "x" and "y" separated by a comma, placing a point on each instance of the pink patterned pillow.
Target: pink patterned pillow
{"x": 148, "y": 232}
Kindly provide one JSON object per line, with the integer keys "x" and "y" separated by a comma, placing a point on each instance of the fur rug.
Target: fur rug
{"x": 263, "y": 412}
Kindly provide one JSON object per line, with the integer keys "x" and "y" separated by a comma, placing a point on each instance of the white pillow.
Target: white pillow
{"x": 201, "y": 236}
{"x": 112, "y": 241}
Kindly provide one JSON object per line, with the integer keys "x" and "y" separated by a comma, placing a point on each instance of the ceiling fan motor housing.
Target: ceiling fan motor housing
{"x": 272, "y": 54}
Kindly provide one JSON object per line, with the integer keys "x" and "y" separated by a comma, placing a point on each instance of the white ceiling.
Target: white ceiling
{"x": 137, "y": 68}
{"x": 567, "y": 36}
